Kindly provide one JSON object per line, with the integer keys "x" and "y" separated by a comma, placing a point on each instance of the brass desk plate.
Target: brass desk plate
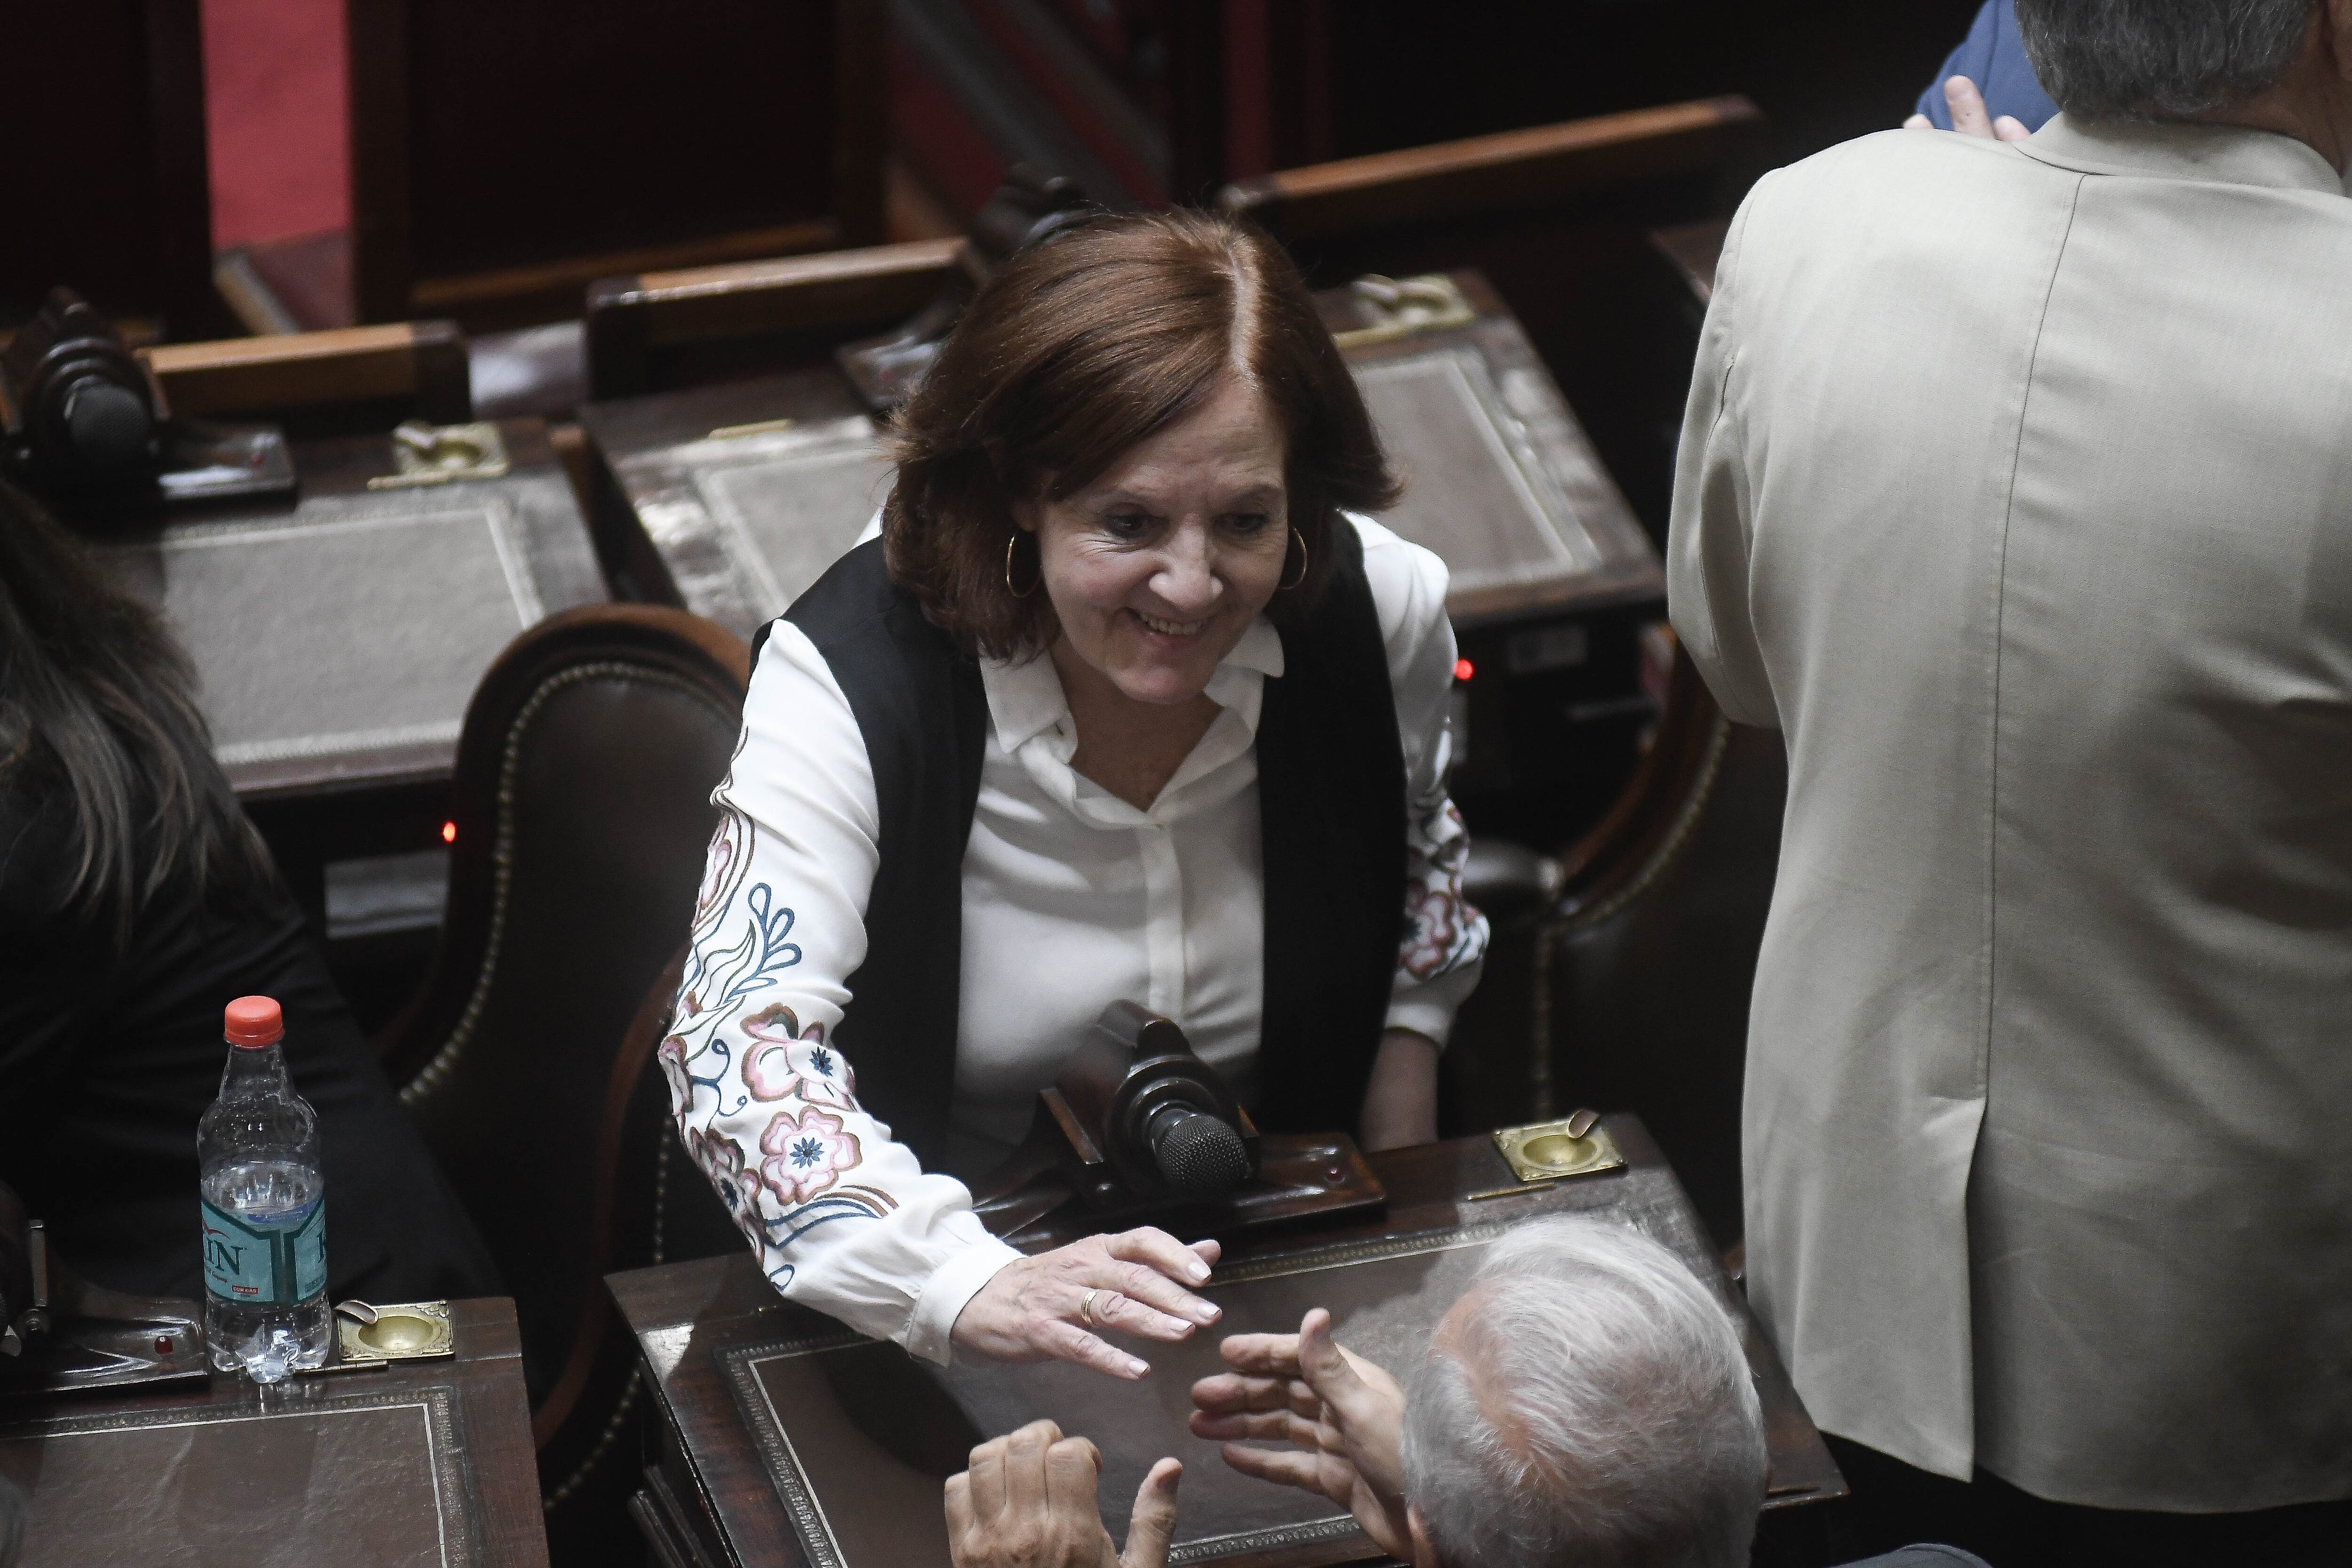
{"x": 1547, "y": 1151}
{"x": 413, "y": 1330}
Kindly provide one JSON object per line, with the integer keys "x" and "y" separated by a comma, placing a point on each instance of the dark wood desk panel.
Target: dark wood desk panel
{"x": 730, "y": 500}
{"x": 738, "y": 1375}
{"x": 423, "y": 1464}
{"x": 337, "y": 640}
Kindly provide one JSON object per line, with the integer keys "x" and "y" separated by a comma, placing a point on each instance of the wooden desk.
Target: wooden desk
{"x": 427, "y": 1464}
{"x": 337, "y": 640}
{"x": 736, "y": 1374}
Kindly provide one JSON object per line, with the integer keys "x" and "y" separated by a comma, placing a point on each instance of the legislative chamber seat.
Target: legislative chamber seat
{"x": 579, "y": 810}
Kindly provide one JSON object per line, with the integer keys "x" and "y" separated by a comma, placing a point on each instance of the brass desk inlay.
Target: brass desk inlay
{"x": 1548, "y": 1151}
{"x": 413, "y": 1330}
{"x": 1401, "y": 307}
{"x": 437, "y": 454}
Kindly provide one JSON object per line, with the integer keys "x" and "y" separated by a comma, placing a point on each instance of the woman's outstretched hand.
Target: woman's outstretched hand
{"x": 1038, "y": 1308}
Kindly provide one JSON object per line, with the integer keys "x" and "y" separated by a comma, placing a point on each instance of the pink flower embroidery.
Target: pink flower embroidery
{"x": 721, "y": 1158}
{"x": 671, "y": 1054}
{"x": 1432, "y": 926}
{"x": 775, "y": 1064}
{"x": 807, "y": 1154}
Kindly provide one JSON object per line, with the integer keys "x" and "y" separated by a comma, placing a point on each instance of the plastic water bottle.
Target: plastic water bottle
{"x": 265, "y": 1208}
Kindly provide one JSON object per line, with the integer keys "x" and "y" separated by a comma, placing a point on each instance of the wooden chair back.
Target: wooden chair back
{"x": 102, "y": 114}
{"x": 503, "y": 157}
{"x": 1556, "y": 217}
{"x": 350, "y": 380}
{"x": 1649, "y": 954}
{"x": 657, "y": 331}
{"x": 581, "y": 804}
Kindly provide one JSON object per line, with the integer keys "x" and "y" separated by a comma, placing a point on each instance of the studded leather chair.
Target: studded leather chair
{"x": 581, "y": 807}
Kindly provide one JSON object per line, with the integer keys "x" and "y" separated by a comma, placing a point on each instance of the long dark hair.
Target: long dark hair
{"x": 97, "y": 701}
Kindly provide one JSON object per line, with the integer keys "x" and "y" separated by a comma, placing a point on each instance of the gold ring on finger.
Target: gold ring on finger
{"x": 1086, "y": 1308}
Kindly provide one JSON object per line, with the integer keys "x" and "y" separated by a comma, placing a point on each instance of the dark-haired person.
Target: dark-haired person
{"x": 135, "y": 902}
{"x": 2013, "y": 492}
{"x": 1127, "y": 701}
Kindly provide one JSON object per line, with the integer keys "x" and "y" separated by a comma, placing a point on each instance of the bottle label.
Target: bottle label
{"x": 273, "y": 1262}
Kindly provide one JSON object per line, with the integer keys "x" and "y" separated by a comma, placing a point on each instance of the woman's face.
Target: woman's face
{"x": 1158, "y": 567}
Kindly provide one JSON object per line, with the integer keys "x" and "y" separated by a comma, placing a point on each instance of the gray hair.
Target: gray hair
{"x": 2161, "y": 59}
{"x": 1587, "y": 1402}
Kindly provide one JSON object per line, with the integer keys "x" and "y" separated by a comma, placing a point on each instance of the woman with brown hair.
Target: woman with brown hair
{"x": 1125, "y": 702}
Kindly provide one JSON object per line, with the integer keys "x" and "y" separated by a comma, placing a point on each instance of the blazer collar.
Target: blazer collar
{"x": 2218, "y": 154}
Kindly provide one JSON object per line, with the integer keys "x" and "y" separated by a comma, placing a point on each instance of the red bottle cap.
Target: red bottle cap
{"x": 254, "y": 1022}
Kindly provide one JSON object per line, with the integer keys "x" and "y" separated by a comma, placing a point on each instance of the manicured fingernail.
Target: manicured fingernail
{"x": 1207, "y": 1312}
{"x": 1198, "y": 1272}
{"x": 1136, "y": 1368}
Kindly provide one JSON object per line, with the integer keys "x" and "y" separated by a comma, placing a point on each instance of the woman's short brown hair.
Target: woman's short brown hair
{"x": 1076, "y": 351}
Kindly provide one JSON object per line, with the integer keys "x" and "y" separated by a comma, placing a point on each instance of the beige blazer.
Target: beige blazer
{"x": 2016, "y": 490}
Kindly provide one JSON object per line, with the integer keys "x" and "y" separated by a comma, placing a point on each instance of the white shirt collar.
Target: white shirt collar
{"x": 1025, "y": 698}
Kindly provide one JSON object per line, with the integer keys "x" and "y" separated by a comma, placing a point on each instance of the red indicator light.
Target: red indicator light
{"x": 1462, "y": 670}
{"x": 449, "y": 833}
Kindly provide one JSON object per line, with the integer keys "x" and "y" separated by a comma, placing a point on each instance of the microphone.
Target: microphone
{"x": 1197, "y": 1154}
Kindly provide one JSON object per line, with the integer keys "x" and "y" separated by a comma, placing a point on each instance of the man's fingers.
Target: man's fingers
{"x": 1262, "y": 1427}
{"x": 1268, "y": 1355}
{"x": 1967, "y": 106}
{"x": 1026, "y": 1490}
{"x": 1153, "y": 1522}
{"x": 961, "y": 1519}
{"x": 1918, "y": 123}
{"x": 1284, "y": 1466}
{"x": 1070, "y": 1469}
{"x": 1229, "y": 1392}
{"x": 986, "y": 1473}
{"x": 2010, "y": 128}
{"x": 1327, "y": 1371}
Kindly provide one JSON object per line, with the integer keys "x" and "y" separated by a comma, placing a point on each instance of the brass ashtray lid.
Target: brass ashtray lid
{"x": 410, "y": 1330}
{"x": 1577, "y": 1145}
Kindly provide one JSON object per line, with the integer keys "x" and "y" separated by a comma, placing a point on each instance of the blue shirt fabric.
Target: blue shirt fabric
{"x": 1992, "y": 56}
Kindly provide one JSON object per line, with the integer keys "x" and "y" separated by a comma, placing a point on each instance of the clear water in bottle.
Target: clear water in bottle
{"x": 264, "y": 1209}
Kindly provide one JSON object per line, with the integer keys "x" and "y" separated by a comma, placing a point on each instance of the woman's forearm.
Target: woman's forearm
{"x": 1401, "y": 1102}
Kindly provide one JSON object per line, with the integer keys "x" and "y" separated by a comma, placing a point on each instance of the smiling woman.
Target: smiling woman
{"x": 1126, "y": 703}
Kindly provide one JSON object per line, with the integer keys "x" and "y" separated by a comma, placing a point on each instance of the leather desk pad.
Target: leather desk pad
{"x": 299, "y": 1478}
{"x": 858, "y": 1437}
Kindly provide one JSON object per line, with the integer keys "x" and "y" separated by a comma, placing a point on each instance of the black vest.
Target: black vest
{"x": 1331, "y": 813}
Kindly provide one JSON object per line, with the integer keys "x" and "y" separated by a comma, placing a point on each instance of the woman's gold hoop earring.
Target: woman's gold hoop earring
{"x": 1019, "y": 593}
{"x": 1293, "y": 583}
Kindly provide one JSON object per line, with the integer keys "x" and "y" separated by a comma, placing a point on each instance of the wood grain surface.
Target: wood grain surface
{"x": 421, "y": 1463}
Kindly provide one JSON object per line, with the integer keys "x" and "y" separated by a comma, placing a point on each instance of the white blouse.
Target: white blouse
{"x": 1072, "y": 899}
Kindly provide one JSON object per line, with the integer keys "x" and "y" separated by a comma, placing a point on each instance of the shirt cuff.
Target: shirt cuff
{"x": 951, "y": 1284}
{"x": 1428, "y": 1008}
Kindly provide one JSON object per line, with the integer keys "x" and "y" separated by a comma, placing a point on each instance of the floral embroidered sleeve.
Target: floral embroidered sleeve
{"x": 842, "y": 1217}
{"x": 1444, "y": 944}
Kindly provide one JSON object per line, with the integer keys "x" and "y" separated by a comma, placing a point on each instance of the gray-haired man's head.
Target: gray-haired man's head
{"x": 1586, "y": 1402}
{"x": 2161, "y": 59}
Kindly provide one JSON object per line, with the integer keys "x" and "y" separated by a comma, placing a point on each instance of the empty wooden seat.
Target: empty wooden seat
{"x": 333, "y": 382}
{"x": 655, "y": 330}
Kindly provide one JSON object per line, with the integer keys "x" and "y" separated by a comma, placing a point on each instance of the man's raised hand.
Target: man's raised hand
{"x": 1344, "y": 1415}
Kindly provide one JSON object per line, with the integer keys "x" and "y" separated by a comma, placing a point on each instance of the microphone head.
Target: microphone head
{"x": 1197, "y": 1154}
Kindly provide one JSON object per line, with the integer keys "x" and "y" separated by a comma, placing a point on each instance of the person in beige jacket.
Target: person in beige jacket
{"x": 2016, "y": 491}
